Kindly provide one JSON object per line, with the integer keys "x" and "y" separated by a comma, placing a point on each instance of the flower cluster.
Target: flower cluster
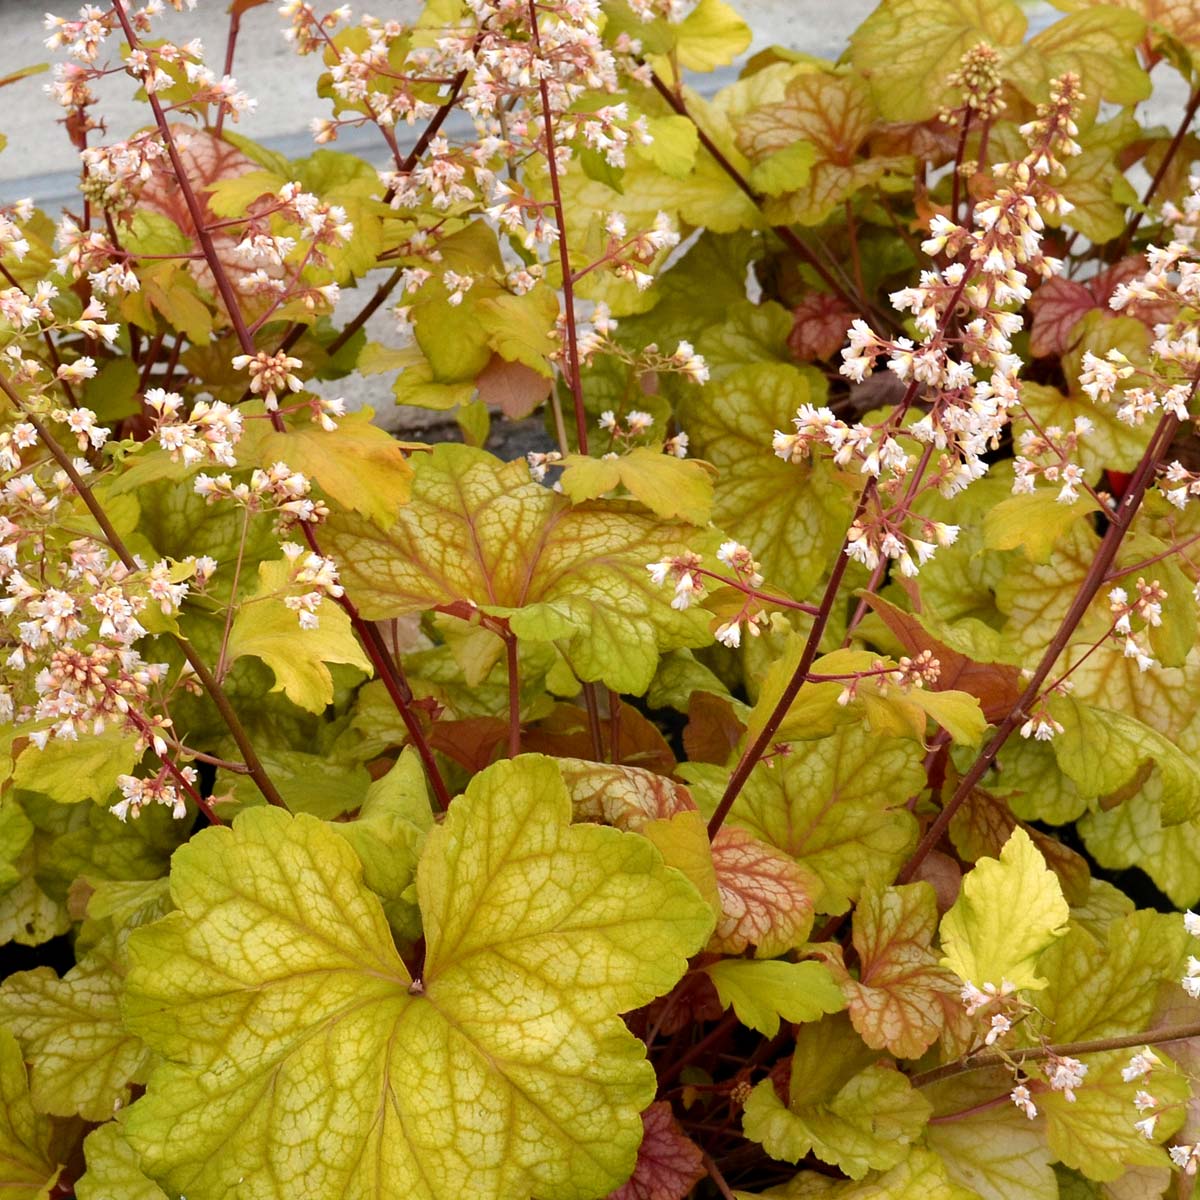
{"x": 1146, "y": 606}
{"x": 316, "y": 573}
{"x": 276, "y": 489}
{"x": 963, "y": 369}
{"x": 208, "y": 433}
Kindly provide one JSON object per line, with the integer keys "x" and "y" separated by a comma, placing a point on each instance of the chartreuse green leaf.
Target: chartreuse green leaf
{"x": 357, "y": 465}
{"x": 16, "y": 832}
{"x": 907, "y": 48}
{"x": 479, "y": 531}
{"x": 837, "y": 805}
{"x": 300, "y": 1054}
{"x": 997, "y": 1152}
{"x": 1100, "y": 987}
{"x": 981, "y": 940}
{"x": 32, "y": 911}
{"x": 824, "y": 118}
{"x": 711, "y": 35}
{"x": 1102, "y": 752}
{"x": 113, "y": 1169}
{"x": 1094, "y": 1134}
{"x": 791, "y": 515}
{"x": 28, "y": 1164}
{"x": 762, "y": 992}
{"x": 668, "y": 486}
{"x": 387, "y": 835}
{"x": 921, "y": 1174}
{"x": 857, "y": 1117}
{"x": 71, "y": 771}
{"x": 1035, "y": 521}
{"x": 266, "y": 628}
{"x": 82, "y": 1060}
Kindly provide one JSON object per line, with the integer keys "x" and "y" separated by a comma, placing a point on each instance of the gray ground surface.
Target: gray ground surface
{"x": 40, "y": 162}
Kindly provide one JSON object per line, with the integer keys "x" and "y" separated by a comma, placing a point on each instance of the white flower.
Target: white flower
{"x": 1021, "y": 1097}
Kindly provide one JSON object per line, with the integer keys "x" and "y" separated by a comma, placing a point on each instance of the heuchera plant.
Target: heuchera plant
{"x": 740, "y": 796}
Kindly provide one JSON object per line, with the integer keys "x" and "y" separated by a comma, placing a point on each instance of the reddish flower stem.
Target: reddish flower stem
{"x": 1091, "y": 585}
{"x": 1124, "y": 1041}
{"x": 387, "y": 670}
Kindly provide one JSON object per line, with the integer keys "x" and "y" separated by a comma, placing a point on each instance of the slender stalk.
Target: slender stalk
{"x": 754, "y": 751}
{"x": 233, "y": 593}
{"x": 714, "y": 1173}
{"x": 388, "y": 671}
{"x": 215, "y": 692}
{"x": 514, "y": 697}
{"x": 235, "y": 25}
{"x": 1189, "y": 114}
{"x": 573, "y": 365}
{"x": 1124, "y": 1041}
{"x": 1091, "y": 585}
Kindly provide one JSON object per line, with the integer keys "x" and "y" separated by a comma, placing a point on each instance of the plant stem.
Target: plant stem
{"x": 514, "y": 697}
{"x": 574, "y": 367}
{"x": 714, "y": 1173}
{"x": 1088, "y": 589}
{"x": 215, "y": 692}
{"x": 1124, "y": 1041}
{"x": 754, "y": 750}
{"x": 235, "y": 25}
{"x": 388, "y": 671}
{"x": 1189, "y": 114}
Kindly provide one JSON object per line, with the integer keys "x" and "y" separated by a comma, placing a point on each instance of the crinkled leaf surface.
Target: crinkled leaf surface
{"x": 299, "y": 1054}
{"x": 835, "y": 805}
{"x": 906, "y": 48}
{"x": 669, "y": 1163}
{"x": 766, "y": 896}
{"x": 27, "y": 1164}
{"x": 358, "y": 465}
{"x": 113, "y": 1169}
{"x": 981, "y": 940}
{"x": 999, "y": 1153}
{"x": 921, "y": 1174}
{"x": 82, "y": 1059}
{"x": 855, "y": 1116}
{"x": 1102, "y": 988}
{"x": 829, "y": 116}
{"x": 902, "y": 999}
{"x": 792, "y": 516}
{"x": 478, "y": 530}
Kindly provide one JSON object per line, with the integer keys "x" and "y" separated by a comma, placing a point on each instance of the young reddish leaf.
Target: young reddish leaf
{"x": 819, "y": 324}
{"x": 669, "y": 1163}
{"x": 564, "y": 734}
{"x": 1060, "y": 304}
{"x": 997, "y": 686}
{"x": 713, "y": 729}
{"x": 624, "y": 797}
{"x": 902, "y": 1000}
{"x": 766, "y": 896}
{"x": 207, "y": 160}
{"x": 480, "y": 531}
{"x": 512, "y": 387}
